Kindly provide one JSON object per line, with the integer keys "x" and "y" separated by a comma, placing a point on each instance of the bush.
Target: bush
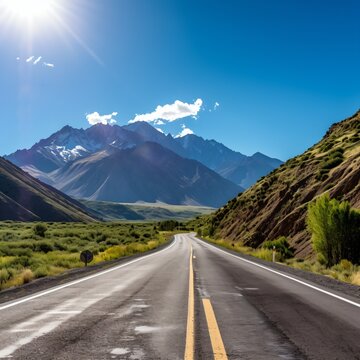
{"x": 135, "y": 235}
{"x": 346, "y": 265}
{"x": 41, "y": 271}
{"x": 208, "y": 230}
{"x": 281, "y": 245}
{"x": 168, "y": 225}
{"x": 335, "y": 229}
{"x": 333, "y": 162}
{"x": 4, "y": 276}
{"x": 44, "y": 247}
{"x": 40, "y": 230}
{"x": 26, "y": 276}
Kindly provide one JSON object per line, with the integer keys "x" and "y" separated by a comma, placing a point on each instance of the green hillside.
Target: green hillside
{"x": 277, "y": 204}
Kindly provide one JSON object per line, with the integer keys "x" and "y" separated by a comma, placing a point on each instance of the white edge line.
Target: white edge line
{"x": 283, "y": 275}
{"x": 57, "y": 288}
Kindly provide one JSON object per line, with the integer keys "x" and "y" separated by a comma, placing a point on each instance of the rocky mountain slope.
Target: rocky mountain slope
{"x": 234, "y": 166}
{"x": 70, "y": 144}
{"x": 23, "y": 198}
{"x": 148, "y": 173}
{"x": 277, "y": 204}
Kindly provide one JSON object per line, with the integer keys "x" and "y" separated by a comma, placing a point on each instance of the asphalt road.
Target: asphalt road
{"x": 190, "y": 300}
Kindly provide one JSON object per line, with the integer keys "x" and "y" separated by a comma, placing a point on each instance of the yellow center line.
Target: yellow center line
{"x": 190, "y": 329}
{"x": 215, "y": 336}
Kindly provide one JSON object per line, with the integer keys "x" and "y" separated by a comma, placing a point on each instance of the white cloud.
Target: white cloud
{"x": 37, "y": 60}
{"x": 34, "y": 61}
{"x": 216, "y": 105}
{"x": 96, "y": 118}
{"x": 17, "y": 58}
{"x": 159, "y": 122}
{"x": 185, "y": 131}
{"x": 170, "y": 112}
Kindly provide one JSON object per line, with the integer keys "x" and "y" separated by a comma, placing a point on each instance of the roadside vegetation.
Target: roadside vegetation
{"x": 29, "y": 251}
{"x": 335, "y": 237}
{"x": 343, "y": 271}
{"x": 277, "y": 205}
{"x": 302, "y": 199}
{"x": 335, "y": 229}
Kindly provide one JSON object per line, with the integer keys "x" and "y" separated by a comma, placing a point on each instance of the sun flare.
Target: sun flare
{"x": 28, "y": 9}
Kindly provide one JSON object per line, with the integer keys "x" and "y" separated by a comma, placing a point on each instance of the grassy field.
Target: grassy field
{"x": 145, "y": 212}
{"x": 344, "y": 271}
{"x": 29, "y": 251}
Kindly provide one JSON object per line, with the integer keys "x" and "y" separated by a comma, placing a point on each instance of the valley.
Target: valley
{"x": 111, "y": 211}
{"x": 238, "y": 269}
{"x": 177, "y": 182}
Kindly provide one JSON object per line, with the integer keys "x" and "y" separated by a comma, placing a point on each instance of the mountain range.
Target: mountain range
{"x": 148, "y": 173}
{"x": 277, "y": 204}
{"x": 23, "y": 198}
{"x": 234, "y": 166}
{"x": 207, "y": 172}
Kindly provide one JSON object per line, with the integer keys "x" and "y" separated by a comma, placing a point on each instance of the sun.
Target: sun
{"x": 29, "y": 18}
{"x": 28, "y": 9}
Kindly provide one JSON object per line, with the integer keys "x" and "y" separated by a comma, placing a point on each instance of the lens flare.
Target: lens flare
{"x": 28, "y": 9}
{"x": 29, "y": 18}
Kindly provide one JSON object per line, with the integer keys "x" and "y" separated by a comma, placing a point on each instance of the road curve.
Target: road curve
{"x": 190, "y": 300}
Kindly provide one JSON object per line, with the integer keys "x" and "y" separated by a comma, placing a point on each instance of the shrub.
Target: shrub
{"x": 59, "y": 246}
{"x": 346, "y": 265}
{"x": 4, "y": 276}
{"x": 168, "y": 225}
{"x": 208, "y": 230}
{"x": 335, "y": 229}
{"x": 333, "y": 162}
{"x": 355, "y": 279}
{"x": 26, "y": 276}
{"x": 41, "y": 271}
{"x": 40, "y": 230}
{"x": 44, "y": 247}
{"x": 281, "y": 245}
{"x": 24, "y": 261}
{"x": 135, "y": 235}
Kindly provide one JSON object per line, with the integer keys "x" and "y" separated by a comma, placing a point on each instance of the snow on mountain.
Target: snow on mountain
{"x": 69, "y": 144}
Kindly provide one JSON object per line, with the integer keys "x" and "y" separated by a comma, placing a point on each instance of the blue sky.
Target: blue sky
{"x": 281, "y": 71}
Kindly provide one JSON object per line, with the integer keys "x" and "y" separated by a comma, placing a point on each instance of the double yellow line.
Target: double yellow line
{"x": 214, "y": 332}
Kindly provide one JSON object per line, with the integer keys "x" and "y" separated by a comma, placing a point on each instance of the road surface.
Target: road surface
{"x": 190, "y": 300}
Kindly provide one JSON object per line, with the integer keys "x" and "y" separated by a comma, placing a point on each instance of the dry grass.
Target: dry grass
{"x": 344, "y": 271}
{"x": 355, "y": 279}
{"x": 260, "y": 253}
